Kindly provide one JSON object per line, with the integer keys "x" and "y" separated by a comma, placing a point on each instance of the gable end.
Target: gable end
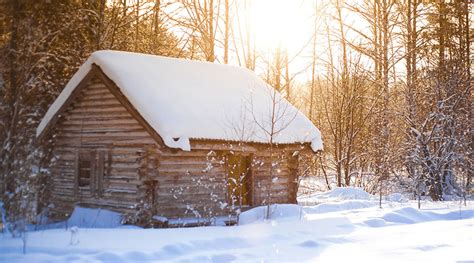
{"x": 96, "y": 71}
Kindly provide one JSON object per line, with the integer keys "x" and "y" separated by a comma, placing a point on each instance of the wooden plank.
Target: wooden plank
{"x": 104, "y": 96}
{"x": 95, "y": 84}
{"x": 100, "y": 131}
{"x": 117, "y": 114}
{"x": 109, "y": 162}
{"x": 111, "y": 110}
{"x": 208, "y": 144}
{"x": 76, "y": 173}
{"x": 99, "y": 140}
{"x": 112, "y": 122}
{"x": 93, "y": 173}
{"x": 101, "y": 135}
{"x": 93, "y": 102}
{"x": 100, "y": 173}
{"x": 96, "y": 92}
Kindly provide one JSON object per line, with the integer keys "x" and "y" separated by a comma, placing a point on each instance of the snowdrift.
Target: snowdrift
{"x": 440, "y": 232}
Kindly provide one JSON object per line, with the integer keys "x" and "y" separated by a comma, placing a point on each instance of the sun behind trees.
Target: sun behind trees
{"x": 388, "y": 82}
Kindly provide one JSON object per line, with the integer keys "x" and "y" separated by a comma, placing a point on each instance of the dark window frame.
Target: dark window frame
{"x": 85, "y": 169}
{"x": 92, "y": 167}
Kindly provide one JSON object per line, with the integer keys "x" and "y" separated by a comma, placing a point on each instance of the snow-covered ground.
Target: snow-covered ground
{"x": 347, "y": 226}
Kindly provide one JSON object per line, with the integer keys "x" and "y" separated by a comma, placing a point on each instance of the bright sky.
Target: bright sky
{"x": 287, "y": 23}
{"x": 290, "y": 24}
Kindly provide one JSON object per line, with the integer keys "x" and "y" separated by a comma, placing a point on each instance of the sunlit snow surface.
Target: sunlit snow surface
{"x": 183, "y": 99}
{"x": 340, "y": 230}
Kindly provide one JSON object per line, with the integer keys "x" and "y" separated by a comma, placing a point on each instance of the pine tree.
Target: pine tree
{"x": 45, "y": 47}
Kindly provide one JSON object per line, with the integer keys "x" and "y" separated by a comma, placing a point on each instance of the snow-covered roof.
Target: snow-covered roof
{"x": 184, "y": 99}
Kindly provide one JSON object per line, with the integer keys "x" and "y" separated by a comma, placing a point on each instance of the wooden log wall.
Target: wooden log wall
{"x": 188, "y": 184}
{"x": 188, "y": 187}
{"x": 97, "y": 121}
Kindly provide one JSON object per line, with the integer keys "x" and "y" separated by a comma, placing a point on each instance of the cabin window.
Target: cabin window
{"x": 91, "y": 167}
{"x": 85, "y": 169}
{"x": 239, "y": 180}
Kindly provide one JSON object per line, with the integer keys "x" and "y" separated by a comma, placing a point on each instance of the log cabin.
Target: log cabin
{"x": 168, "y": 138}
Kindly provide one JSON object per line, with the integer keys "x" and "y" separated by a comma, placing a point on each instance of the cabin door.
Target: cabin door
{"x": 293, "y": 163}
{"x": 239, "y": 181}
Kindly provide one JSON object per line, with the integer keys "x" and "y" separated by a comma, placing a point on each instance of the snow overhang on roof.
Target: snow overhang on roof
{"x": 183, "y": 99}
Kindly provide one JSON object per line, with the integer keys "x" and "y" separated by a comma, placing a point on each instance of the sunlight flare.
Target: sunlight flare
{"x": 281, "y": 23}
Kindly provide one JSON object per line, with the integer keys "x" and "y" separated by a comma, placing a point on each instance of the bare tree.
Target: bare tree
{"x": 201, "y": 23}
{"x": 240, "y": 130}
{"x": 242, "y": 35}
{"x": 279, "y": 117}
{"x": 346, "y": 103}
{"x": 226, "y": 31}
{"x": 378, "y": 46}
